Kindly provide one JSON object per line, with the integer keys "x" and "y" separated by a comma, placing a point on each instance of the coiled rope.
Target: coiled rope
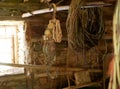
{"x": 84, "y": 25}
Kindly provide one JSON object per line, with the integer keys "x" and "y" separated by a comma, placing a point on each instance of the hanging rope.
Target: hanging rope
{"x": 52, "y": 34}
{"x": 55, "y": 27}
{"x": 85, "y": 26}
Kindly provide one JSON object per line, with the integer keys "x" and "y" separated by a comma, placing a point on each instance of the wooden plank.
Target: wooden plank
{"x": 17, "y": 18}
{"x": 10, "y": 4}
{"x": 53, "y": 68}
{"x": 23, "y": 76}
{"x": 84, "y": 85}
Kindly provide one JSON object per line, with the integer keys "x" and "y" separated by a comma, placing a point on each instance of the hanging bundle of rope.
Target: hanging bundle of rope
{"x": 84, "y": 25}
{"x": 52, "y": 34}
{"x": 55, "y": 27}
{"x": 115, "y": 78}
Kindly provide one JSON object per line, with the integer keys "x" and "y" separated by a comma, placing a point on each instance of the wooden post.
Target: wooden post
{"x": 29, "y": 78}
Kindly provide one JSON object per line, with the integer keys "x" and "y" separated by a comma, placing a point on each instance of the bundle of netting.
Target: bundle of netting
{"x": 84, "y": 25}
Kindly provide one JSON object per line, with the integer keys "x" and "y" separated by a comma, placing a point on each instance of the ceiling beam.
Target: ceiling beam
{"x": 60, "y": 8}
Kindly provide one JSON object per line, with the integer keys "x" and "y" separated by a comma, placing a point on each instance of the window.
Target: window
{"x": 11, "y": 44}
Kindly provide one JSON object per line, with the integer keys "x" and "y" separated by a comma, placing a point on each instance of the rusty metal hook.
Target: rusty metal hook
{"x": 53, "y": 5}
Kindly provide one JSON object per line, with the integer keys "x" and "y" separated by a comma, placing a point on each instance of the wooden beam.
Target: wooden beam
{"x": 23, "y": 76}
{"x": 53, "y": 68}
{"x": 11, "y": 18}
{"x": 61, "y": 8}
{"x": 17, "y": 9}
{"x": 42, "y": 11}
{"x": 25, "y": 7}
{"x": 9, "y": 4}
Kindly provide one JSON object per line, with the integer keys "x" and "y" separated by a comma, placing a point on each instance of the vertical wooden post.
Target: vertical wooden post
{"x": 29, "y": 78}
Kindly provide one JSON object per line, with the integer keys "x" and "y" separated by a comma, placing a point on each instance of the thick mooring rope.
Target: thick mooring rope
{"x": 85, "y": 26}
{"x": 115, "y": 78}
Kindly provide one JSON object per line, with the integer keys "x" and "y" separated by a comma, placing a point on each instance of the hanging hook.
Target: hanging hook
{"x": 53, "y": 5}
